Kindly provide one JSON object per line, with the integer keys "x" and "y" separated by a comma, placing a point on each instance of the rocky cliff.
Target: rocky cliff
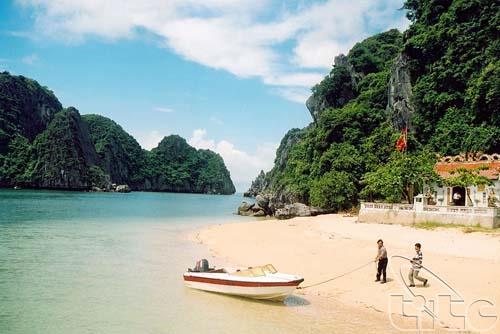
{"x": 43, "y": 145}
{"x": 120, "y": 155}
{"x": 439, "y": 79}
{"x": 63, "y": 156}
{"x": 399, "y": 105}
{"x": 348, "y": 103}
{"x": 26, "y": 108}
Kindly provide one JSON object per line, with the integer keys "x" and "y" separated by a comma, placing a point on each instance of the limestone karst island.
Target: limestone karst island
{"x": 255, "y": 167}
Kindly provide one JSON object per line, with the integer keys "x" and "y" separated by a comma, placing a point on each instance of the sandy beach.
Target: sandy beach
{"x": 464, "y": 277}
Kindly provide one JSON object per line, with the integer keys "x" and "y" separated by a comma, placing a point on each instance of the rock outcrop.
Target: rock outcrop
{"x": 26, "y": 108}
{"x": 297, "y": 210}
{"x": 120, "y": 155}
{"x": 260, "y": 208}
{"x": 64, "y": 156}
{"x": 324, "y": 96}
{"x": 257, "y": 186}
{"x": 399, "y": 105}
{"x": 123, "y": 188}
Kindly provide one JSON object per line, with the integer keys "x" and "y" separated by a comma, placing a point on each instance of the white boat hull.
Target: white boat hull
{"x": 274, "y": 287}
{"x": 275, "y": 293}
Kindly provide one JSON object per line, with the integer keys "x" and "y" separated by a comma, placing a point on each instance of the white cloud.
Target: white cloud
{"x": 149, "y": 140}
{"x": 230, "y": 35}
{"x": 163, "y": 109}
{"x": 243, "y": 166}
{"x": 30, "y": 59}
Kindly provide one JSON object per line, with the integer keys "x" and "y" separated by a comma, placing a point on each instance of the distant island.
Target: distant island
{"x": 43, "y": 145}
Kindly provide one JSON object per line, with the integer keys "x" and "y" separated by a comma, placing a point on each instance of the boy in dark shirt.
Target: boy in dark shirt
{"x": 382, "y": 262}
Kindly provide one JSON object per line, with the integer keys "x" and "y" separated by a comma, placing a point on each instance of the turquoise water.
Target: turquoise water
{"x": 106, "y": 263}
{"x": 25, "y": 206}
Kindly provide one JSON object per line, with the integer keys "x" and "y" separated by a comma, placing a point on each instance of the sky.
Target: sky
{"x": 230, "y": 76}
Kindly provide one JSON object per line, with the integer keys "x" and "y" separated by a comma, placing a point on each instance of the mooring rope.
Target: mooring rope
{"x": 336, "y": 277}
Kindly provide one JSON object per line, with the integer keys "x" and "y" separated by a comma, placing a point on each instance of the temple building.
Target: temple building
{"x": 481, "y": 195}
{"x": 464, "y": 204}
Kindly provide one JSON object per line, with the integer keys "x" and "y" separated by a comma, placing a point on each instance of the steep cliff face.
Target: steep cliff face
{"x": 335, "y": 90}
{"x": 341, "y": 85}
{"x": 258, "y": 185}
{"x": 26, "y": 108}
{"x": 63, "y": 155}
{"x": 214, "y": 178}
{"x": 399, "y": 105}
{"x": 120, "y": 155}
{"x": 271, "y": 184}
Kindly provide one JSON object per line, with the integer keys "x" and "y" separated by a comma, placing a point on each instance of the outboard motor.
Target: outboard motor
{"x": 204, "y": 265}
{"x": 201, "y": 266}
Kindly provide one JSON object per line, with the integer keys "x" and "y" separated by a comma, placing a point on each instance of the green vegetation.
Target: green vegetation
{"x": 175, "y": 166}
{"x": 432, "y": 225}
{"x": 26, "y": 108}
{"x": 400, "y": 177}
{"x": 452, "y": 50}
{"x": 45, "y": 146}
{"x": 120, "y": 155}
{"x": 326, "y": 161}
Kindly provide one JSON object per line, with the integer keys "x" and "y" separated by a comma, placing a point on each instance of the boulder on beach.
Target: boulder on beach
{"x": 245, "y": 209}
{"x": 297, "y": 210}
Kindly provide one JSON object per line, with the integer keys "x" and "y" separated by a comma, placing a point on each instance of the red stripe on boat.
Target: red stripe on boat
{"x": 240, "y": 283}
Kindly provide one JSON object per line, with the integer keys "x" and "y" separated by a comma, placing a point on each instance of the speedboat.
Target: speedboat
{"x": 262, "y": 282}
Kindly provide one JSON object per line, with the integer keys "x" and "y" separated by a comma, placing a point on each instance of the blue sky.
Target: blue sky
{"x": 227, "y": 75}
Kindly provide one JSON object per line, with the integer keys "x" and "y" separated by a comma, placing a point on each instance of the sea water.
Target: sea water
{"x": 74, "y": 262}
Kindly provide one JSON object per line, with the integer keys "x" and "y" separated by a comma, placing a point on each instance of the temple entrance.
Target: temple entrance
{"x": 458, "y": 196}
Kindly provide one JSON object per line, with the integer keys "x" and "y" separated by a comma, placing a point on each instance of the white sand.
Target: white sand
{"x": 322, "y": 247}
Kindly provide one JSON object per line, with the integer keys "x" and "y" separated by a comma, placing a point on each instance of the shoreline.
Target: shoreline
{"x": 319, "y": 248}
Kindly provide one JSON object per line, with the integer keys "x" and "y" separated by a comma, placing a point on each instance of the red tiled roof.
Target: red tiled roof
{"x": 444, "y": 169}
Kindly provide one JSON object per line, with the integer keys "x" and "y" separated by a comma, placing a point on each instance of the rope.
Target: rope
{"x": 336, "y": 277}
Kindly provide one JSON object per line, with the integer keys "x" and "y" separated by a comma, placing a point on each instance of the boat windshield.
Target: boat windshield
{"x": 257, "y": 271}
{"x": 269, "y": 268}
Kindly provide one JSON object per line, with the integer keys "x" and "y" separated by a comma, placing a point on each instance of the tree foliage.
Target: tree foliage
{"x": 454, "y": 49}
{"x": 400, "y": 178}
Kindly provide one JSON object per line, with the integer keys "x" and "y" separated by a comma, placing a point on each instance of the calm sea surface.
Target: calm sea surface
{"x": 74, "y": 262}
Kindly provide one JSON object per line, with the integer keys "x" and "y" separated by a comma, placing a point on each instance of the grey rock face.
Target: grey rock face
{"x": 399, "y": 106}
{"x": 317, "y": 102}
{"x": 64, "y": 154}
{"x": 293, "y": 210}
{"x": 245, "y": 209}
{"x": 262, "y": 201}
{"x": 297, "y": 210}
{"x": 123, "y": 188}
{"x": 257, "y": 186}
